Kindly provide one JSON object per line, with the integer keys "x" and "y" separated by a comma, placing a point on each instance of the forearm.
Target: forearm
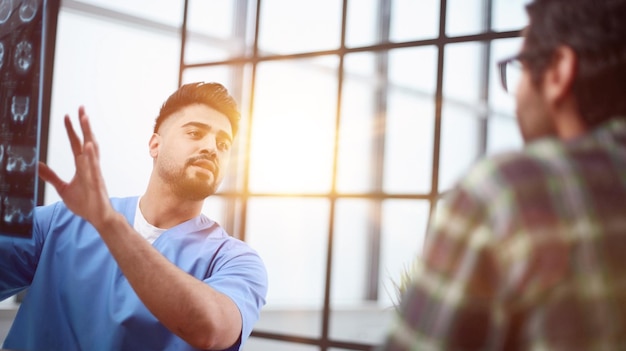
{"x": 193, "y": 310}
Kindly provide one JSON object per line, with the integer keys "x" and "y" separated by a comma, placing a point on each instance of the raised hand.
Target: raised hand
{"x": 86, "y": 193}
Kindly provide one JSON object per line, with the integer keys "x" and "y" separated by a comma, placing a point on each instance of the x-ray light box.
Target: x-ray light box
{"x": 27, "y": 37}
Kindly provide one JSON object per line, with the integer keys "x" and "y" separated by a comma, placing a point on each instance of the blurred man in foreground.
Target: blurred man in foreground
{"x": 528, "y": 250}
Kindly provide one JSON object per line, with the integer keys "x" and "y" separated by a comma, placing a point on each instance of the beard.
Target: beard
{"x": 192, "y": 187}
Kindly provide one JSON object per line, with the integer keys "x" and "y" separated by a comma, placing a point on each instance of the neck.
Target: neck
{"x": 571, "y": 130}
{"x": 568, "y": 122}
{"x": 163, "y": 209}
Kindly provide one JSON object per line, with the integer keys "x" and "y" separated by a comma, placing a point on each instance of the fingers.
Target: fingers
{"x": 86, "y": 128}
{"x": 93, "y": 163}
{"x": 49, "y": 176}
{"x": 75, "y": 142}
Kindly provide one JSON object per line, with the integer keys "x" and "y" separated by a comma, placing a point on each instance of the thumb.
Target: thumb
{"x": 49, "y": 176}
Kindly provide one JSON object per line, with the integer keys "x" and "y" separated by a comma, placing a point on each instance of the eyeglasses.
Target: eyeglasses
{"x": 511, "y": 72}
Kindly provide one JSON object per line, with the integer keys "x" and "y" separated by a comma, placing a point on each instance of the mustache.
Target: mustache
{"x": 203, "y": 158}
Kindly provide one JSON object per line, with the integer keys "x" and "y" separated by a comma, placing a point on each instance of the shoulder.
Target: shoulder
{"x": 51, "y": 212}
{"x": 234, "y": 251}
{"x": 234, "y": 247}
{"x": 230, "y": 255}
{"x": 497, "y": 187}
{"x": 550, "y": 164}
{"x": 213, "y": 237}
{"x": 57, "y": 214}
{"x": 58, "y": 209}
{"x": 510, "y": 171}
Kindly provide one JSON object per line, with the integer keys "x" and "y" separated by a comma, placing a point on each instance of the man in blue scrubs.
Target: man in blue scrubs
{"x": 139, "y": 273}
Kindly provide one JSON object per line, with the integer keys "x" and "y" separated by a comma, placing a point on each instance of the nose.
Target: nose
{"x": 210, "y": 153}
{"x": 209, "y": 147}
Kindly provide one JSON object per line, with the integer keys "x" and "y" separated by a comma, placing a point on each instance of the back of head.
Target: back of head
{"x": 213, "y": 95}
{"x": 596, "y": 31}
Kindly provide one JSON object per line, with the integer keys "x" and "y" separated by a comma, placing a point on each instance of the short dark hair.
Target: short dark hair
{"x": 213, "y": 95}
{"x": 595, "y": 30}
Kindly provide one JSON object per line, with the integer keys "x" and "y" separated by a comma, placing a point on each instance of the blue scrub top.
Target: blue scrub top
{"x": 78, "y": 299}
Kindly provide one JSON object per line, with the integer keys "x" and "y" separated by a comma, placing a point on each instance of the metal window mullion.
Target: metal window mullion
{"x": 485, "y": 73}
{"x": 442, "y": 40}
{"x": 239, "y": 29}
{"x": 183, "y": 43}
{"x": 378, "y": 152}
{"x": 245, "y": 193}
{"x": 326, "y": 309}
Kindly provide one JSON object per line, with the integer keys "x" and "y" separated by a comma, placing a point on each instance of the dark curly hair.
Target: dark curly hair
{"x": 596, "y": 31}
{"x": 213, "y": 95}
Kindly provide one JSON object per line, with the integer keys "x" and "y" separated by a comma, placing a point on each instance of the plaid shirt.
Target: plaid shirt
{"x": 527, "y": 253}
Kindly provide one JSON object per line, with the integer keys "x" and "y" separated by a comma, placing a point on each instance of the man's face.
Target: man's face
{"x": 533, "y": 116}
{"x": 191, "y": 151}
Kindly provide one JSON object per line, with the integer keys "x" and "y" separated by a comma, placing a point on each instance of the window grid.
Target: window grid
{"x": 254, "y": 57}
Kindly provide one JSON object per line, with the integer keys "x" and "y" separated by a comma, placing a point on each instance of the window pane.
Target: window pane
{"x": 289, "y": 26}
{"x": 169, "y": 12}
{"x": 410, "y": 120}
{"x": 358, "y": 133}
{"x": 460, "y": 138}
{"x": 293, "y": 127}
{"x": 214, "y": 207}
{"x": 461, "y": 111}
{"x": 465, "y": 17}
{"x": 226, "y": 211}
{"x": 509, "y": 14}
{"x": 293, "y": 247}
{"x": 414, "y": 20}
{"x": 403, "y": 231}
{"x": 218, "y": 30}
{"x": 353, "y": 238}
{"x": 410, "y": 20}
{"x": 501, "y": 103}
{"x": 355, "y": 316}
{"x": 362, "y": 23}
{"x": 221, "y": 74}
{"x": 502, "y": 133}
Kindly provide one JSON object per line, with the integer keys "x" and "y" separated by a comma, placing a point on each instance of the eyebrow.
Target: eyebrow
{"x": 207, "y": 128}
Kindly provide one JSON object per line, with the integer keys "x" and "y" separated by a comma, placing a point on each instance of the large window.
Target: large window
{"x": 358, "y": 115}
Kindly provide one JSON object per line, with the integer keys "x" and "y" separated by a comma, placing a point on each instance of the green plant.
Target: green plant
{"x": 406, "y": 277}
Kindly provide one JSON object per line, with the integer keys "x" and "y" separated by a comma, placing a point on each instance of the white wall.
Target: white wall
{"x": 121, "y": 74}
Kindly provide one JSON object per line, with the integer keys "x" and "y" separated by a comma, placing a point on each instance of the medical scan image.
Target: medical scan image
{"x": 23, "y": 56}
{"x": 28, "y": 10}
{"x": 17, "y": 211}
{"x": 21, "y": 35}
{"x": 19, "y": 108}
{"x": 20, "y": 159}
{"x": 6, "y": 8}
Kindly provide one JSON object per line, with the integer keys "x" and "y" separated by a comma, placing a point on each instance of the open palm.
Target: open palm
{"x": 85, "y": 194}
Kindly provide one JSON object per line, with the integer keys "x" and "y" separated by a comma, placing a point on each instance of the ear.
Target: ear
{"x": 560, "y": 74}
{"x": 154, "y": 144}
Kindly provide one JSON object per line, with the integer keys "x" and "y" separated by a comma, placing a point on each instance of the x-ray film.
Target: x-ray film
{"x": 21, "y": 60}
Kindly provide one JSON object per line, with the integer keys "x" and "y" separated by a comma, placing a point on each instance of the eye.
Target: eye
{"x": 194, "y": 133}
{"x": 223, "y": 145}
